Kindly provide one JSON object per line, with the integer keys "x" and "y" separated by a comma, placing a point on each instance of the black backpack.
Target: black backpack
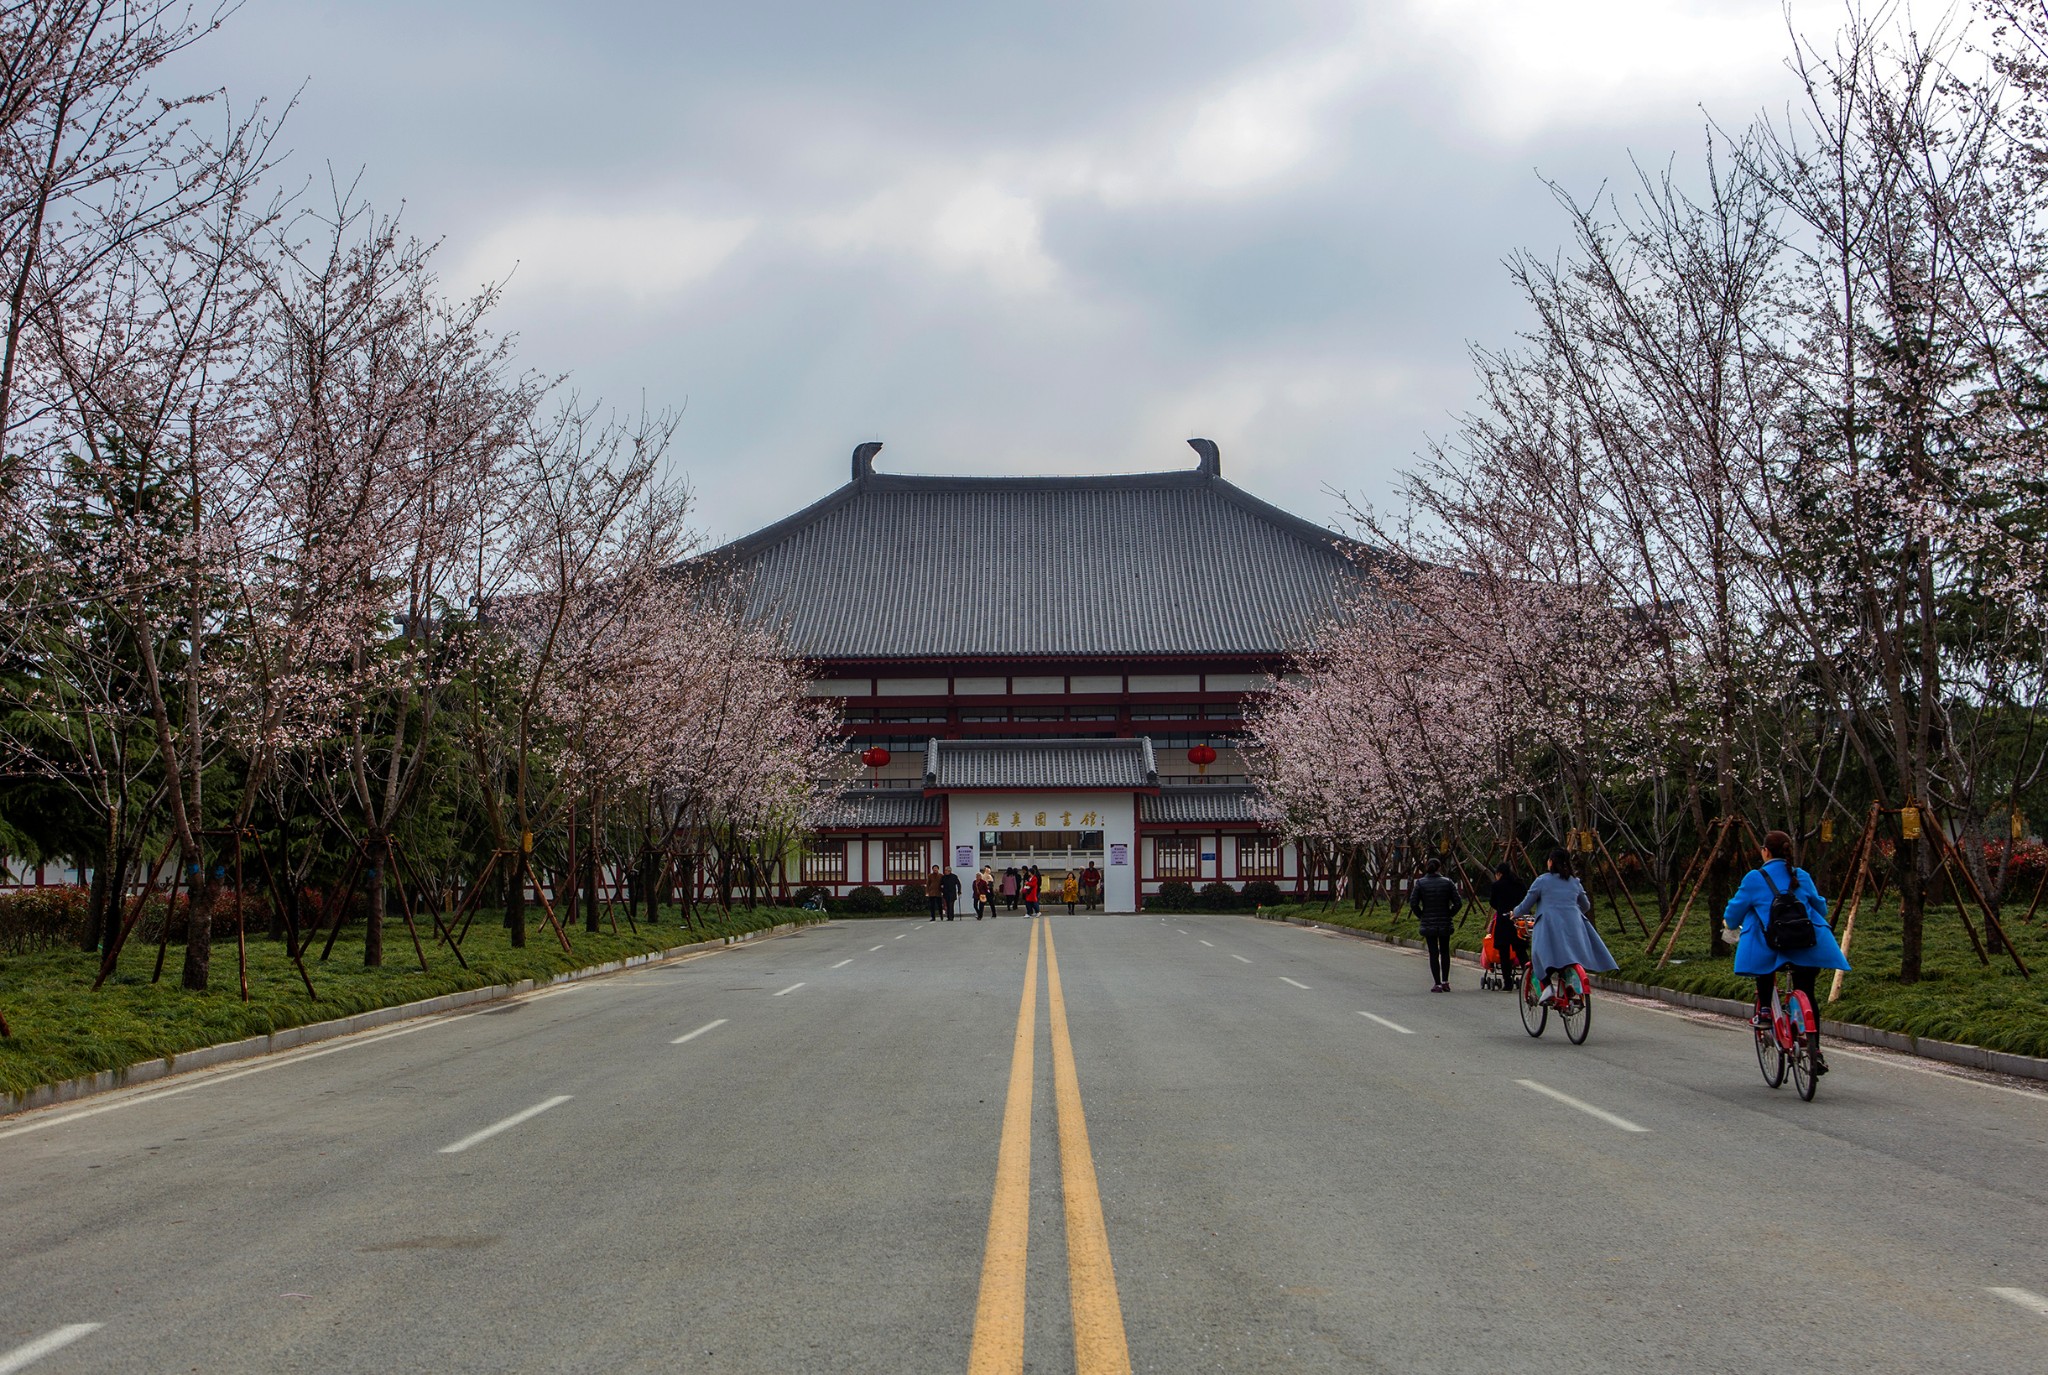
{"x": 1789, "y": 929}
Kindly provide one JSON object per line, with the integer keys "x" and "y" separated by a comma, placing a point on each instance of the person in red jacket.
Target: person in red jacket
{"x": 1032, "y": 883}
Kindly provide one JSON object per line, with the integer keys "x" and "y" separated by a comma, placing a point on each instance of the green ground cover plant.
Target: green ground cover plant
{"x": 63, "y": 1029}
{"x": 1956, "y": 998}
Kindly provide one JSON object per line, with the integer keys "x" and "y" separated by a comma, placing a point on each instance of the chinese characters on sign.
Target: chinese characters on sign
{"x": 1119, "y": 856}
{"x": 1038, "y": 819}
{"x": 963, "y": 857}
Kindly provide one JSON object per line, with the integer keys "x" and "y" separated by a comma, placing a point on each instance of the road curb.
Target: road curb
{"x": 1949, "y": 1052}
{"x": 253, "y": 1047}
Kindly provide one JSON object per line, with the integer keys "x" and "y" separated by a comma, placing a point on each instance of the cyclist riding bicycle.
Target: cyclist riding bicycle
{"x": 1748, "y": 921}
{"x": 1564, "y": 934}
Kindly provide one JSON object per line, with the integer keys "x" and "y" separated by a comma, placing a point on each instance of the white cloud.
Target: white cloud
{"x": 640, "y": 257}
{"x": 1517, "y": 68}
{"x": 971, "y": 221}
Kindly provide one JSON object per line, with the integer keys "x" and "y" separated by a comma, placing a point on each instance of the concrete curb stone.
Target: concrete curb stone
{"x": 227, "y": 1052}
{"x": 1949, "y": 1052}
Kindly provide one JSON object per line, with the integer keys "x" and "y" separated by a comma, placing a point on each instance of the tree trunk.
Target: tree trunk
{"x": 590, "y": 874}
{"x": 199, "y": 891}
{"x": 515, "y": 903}
{"x": 373, "y": 931}
{"x": 1912, "y": 899}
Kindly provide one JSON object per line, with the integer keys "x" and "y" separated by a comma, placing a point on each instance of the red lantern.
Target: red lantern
{"x": 874, "y": 756}
{"x": 1202, "y": 756}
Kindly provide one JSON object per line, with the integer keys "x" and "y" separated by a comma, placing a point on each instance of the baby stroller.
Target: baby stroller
{"x": 1504, "y": 950}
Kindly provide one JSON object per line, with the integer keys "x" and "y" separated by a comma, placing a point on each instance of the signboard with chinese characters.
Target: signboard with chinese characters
{"x": 1119, "y": 856}
{"x": 963, "y": 856}
{"x": 1038, "y": 818}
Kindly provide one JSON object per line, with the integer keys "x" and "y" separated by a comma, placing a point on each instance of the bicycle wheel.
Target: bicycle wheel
{"x": 1577, "y": 1012}
{"x": 1770, "y": 1058}
{"x": 1805, "y": 1045}
{"x": 1534, "y": 1014}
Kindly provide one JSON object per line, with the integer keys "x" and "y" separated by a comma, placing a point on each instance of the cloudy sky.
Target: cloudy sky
{"x": 1040, "y": 236}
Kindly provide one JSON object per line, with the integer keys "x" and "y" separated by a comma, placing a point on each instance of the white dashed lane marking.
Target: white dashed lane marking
{"x": 24, "y": 1356}
{"x": 842, "y": 964}
{"x": 508, "y": 1124}
{"x": 1587, "y": 1108}
{"x": 1240, "y": 957}
{"x": 1391, "y": 1026}
{"x": 693, "y": 1035}
{"x": 2025, "y": 1298}
{"x": 791, "y": 989}
{"x": 1298, "y": 984}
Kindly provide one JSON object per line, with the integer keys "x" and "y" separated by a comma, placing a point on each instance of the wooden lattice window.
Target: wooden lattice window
{"x": 903, "y": 860}
{"x": 1258, "y": 857}
{"x": 1177, "y": 857}
{"x": 825, "y": 862}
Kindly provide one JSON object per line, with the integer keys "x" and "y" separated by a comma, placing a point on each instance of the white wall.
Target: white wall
{"x": 1116, "y": 817}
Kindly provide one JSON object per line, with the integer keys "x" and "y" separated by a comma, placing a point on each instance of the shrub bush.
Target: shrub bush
{"x": 809, "y": 891}
{"x": 42, "y": 918}
{"x": 866, "y": 898}
{"x": 1174, "y": 895}
{"x": 1220, "y": 897}
{"x": 253, "y": 907}
{"x": 910, "y": 898}
{"x": 1262, "y": 892}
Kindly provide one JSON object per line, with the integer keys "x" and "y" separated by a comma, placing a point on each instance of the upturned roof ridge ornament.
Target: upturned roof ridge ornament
{"x": 864, "y": 458}
{"x": 1212, "y": 457}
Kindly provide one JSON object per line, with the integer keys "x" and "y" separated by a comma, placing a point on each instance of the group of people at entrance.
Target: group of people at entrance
{"x": 1558, "y": 917}
{"x": 1026, "y": 884}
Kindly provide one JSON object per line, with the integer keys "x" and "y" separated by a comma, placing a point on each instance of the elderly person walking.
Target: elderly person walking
{"x": 1436, "y": 903}
{"x": 934, "y": 892}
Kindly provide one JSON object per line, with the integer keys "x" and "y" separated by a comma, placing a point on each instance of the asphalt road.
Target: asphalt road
{"x": 1226, "y": 1145}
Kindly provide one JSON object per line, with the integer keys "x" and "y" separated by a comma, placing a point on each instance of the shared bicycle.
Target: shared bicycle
{"x": 1571, "y": 996}
{"x": 1791, "y": 1042}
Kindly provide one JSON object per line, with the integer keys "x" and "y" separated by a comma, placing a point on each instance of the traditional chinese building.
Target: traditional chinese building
{"x": 1045, "y": 670}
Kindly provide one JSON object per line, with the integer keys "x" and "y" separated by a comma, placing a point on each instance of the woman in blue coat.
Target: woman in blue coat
{"x": 1564, "y": 934}
{"x": 1749, "y": 915}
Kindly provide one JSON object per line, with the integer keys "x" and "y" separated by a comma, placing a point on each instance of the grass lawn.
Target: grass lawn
{"x": 63, "y": 1029}
{"x": 1957, "y": 999}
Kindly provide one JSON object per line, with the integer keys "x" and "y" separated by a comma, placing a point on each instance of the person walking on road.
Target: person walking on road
{"x": 1766, "y": 891}
{"x": 1031, "y": 887}
{"x": 934, "y": 892}
{"x": 1436, "y": 903}
{"x": 1091, "y": 885}
{"x": 949, "y": 888}
{"x": 1509, "y": 888}
{"x": 984, "y": 892}
{"x": 1011, "y": 885}
{"x": 1564, "y": 934}
{"x": 1070, "y": 891}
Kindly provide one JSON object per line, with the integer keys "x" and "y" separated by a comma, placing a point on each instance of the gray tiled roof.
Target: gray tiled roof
{"x": 855, "y": 810}
{"x": 1231, "y": 805}
{"x": 937, "y": 567}
{"x": 1098, "y": 763}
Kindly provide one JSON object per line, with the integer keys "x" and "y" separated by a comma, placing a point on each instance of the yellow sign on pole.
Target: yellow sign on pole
{"x": 2019, "y": 825}
{"x": 1909, "y": 823}
{"x": 526, "y": 841}
{"x": 1827, "y": 830}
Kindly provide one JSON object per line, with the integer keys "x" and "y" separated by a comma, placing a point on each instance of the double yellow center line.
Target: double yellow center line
{"x": 1099, "y": 1345}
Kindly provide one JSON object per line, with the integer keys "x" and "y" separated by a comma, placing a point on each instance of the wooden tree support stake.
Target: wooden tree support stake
{"x": 170, "y": 908}
{"x": 344, "y": 892}
{"x": 1698, "y": 879}
{"x": 292, "y": 944}
{"x": 1953, "y": 862}
{"x": 1859, "y": 860}
{"x": 113, "y": 955}
{"x": 440, "y": 934}
{"x": 526, "y": 871}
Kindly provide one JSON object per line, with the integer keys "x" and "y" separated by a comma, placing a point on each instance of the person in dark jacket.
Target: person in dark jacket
{"x": 934, "y": 892}
{"x": 949, "y": 888}
{"x": 1436, "y": 903}
{"x": 1509, "y": 888}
